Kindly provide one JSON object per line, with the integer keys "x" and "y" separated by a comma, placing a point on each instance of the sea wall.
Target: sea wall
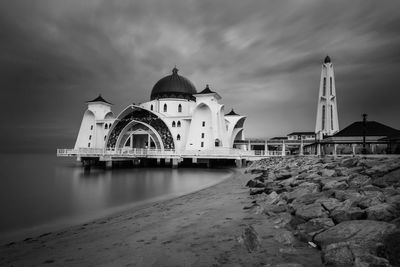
{"x": 349, "y": 208}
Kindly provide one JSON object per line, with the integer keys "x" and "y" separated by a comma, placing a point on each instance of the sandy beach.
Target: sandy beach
{"x": 210, "y": 227}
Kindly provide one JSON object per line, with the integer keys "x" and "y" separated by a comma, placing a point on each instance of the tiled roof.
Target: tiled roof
{"x": 372, "y": 128}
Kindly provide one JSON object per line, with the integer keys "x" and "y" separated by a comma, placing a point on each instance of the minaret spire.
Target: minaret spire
{"x": 327, "y": 122}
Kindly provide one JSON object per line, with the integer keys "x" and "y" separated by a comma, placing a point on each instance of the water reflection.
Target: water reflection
{"x": 45, "y": 189}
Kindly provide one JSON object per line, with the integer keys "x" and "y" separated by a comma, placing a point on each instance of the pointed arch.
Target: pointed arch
{"x": 179, "y": 108}
{"x": 173, "y": 124}
{"x": 178, "y": 124}
{"x": 165, "y": 108}
{"x": 178, "y": 137}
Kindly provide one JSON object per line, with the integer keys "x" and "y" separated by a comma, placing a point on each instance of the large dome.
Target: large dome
{"x": 173, "y": 86}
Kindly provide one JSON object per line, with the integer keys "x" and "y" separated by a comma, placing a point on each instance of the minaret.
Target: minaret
{"x": 327, "y": 122}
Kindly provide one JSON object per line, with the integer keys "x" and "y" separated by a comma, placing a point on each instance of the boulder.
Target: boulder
{"x": 359, "y": 180}
{"x": 285, "y": 237}
{"x": 343, "y": 195}
{"x": 327, "y": 172}
{"x": 392, "y": 245}
{"x": 308, "y": 230}
{"x": 349, "y": 162}
{"x": 366, "y": 234}
{"x": 256, "y": 191}
{"x": 370, "y": 198}
{"x": 368, "y": 260}
{"x": 338, "y": 255}
{"x": 329, "y": 203}
{"x": 382, "y": 212}
{"x": 283, "y": 175}
{"x": 255, "y": 184}
{"x": 346, "y": 214}
{"x": 311, "y": 211}
{"x": 392, "y": 178}
{"x": 335, "y": 185}
{"x": 303, "y": 189}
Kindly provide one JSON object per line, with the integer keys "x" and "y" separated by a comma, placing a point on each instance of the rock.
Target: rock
{"x": 335, "y": 185}
{"x": 250, "y": 239}
{"x": 308, "y": 230}
{"x": 358, "y": 180}
{"x": 285, "y": 237}
{"x": 327, "y": 172}
{"x": 343, "y": 195}
{"x": 370, "y": 198}
{"x": 346, "y": 214}
{"x": 392, "y": 178}
{"x": 311, "y": 211}
{"x": 392, "y": 245}
{"x": 382, "y": 212}
{"x": 366, "y": 234}
{"x": 368, "y": 260}
{"x": 303, "y": 189}
{"x": 283, "y": 175}
{"x": 307, "y": 199}
{"x": 255, "y": 184}
{"x": 338, "y": 254}
{"x": 283, "y": 220}
{"x": 256, "y": 191}
{"x": 380, "y": 170}
{"x": 349, "y": 162}
{"x": 329, "y": 203}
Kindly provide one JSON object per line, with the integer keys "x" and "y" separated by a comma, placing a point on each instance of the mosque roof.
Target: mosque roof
{"x": 327, "y": 59}
{"x": 232, "y": 113}
{"x": 373, "y": 128}
{"x": 99, "y": 99}
{"x": 173, "y": 86}
{"x": 206, "y": 90}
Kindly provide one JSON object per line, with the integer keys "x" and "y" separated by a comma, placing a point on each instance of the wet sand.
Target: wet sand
{"x": 203, "y": 228}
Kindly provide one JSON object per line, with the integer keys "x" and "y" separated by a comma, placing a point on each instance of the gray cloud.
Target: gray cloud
{"x": 263, "y": 57}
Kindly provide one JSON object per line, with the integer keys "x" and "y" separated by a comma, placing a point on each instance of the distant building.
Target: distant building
{"x": 379, "y": 139}
{"x": 177, "y": 117}
{"x": 327, "y": 122}
{"x": 301, "y": 136}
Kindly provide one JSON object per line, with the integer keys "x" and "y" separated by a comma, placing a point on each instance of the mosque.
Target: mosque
{"x": 177, "y": 118}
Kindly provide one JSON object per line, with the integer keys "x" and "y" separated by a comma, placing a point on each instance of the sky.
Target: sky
{"x": 263, "y": 57}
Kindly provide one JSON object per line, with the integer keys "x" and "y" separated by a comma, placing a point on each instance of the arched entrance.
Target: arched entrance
{"x": 139, "y": 135}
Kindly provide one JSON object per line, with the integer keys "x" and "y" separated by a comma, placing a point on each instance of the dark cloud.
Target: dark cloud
{"x": 263, "y": 57}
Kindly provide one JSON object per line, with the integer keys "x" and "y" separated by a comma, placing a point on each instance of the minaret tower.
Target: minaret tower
{"x": 327, "y": 122}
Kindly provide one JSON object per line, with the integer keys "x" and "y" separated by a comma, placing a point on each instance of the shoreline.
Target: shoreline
{"x": 63, "y": 224}
{"x": 202, "y": 228}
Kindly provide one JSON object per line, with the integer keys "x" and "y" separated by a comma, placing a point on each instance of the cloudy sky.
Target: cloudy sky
{"x": 263, "y": 57}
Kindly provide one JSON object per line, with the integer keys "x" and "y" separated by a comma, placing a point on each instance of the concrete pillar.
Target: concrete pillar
{"x": 174, "y": 163}
{"x": 158, "y": 161}
{"x": 238, "y": 163}
{"x": 266, "y": 152}
{"x": 283, "y": 148}
{"x": 136, "y": 162}
{"x": 354, "y": 148}
{"x": 373, "y": 148}
{"x": 167, "y": 161}
{"x": 194, "y": 160}
{"x": 318, "y": 149}
{"x": 335, "y": 149}
{"x": 108, "y": 164}
{"x": 301, "y": 148}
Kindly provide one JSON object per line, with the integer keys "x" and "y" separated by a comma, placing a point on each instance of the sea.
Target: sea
{"x": 42, "y": 192}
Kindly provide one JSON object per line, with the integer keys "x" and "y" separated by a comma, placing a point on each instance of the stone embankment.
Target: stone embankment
{"x": 349, "y": 208}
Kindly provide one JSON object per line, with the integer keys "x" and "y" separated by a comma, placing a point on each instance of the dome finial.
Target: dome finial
{"x": 175, "y": 70}
{"x": 327, "y": 59}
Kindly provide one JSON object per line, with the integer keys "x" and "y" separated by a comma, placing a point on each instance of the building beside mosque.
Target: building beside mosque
{"x": 177, "y": 117}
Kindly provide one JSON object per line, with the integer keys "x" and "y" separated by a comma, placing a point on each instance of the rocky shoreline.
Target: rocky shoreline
{"x": 349, "y": 208}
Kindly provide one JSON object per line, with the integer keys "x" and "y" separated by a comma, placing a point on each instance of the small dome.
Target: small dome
{"x": 173, "y": 86}
{"x": 327, "y": 59}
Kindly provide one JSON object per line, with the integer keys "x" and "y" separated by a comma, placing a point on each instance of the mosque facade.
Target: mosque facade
{"x": 177, "y": 118}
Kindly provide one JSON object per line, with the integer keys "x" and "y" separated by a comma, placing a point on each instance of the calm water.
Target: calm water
{"x": 38, "y": 190}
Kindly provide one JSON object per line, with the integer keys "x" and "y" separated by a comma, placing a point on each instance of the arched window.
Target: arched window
{"x": 324, "y": 87}
{"x": 330, "y": 79}
{"x": 331, "y": 117}
{"x": 202, "y": 135}
{"x": 88, "y": 145}
{"x": 178, "y": 124}
{"x": 179, "y": 108}
{"x": 105, "y": 137}
{"x": 323, "y": 117}
{"x": 109, "y": 125}
{"x": 90, "y": 137}
{"x": 173, "y": 124}
{"x": 217, "y": 142}
{"x": 165, "y": 107}
{"x": 91, "y": 127}
{"x": 151, "y": 107}
{"x": 106, "y": 126}
{"x": 178, "y": 137}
